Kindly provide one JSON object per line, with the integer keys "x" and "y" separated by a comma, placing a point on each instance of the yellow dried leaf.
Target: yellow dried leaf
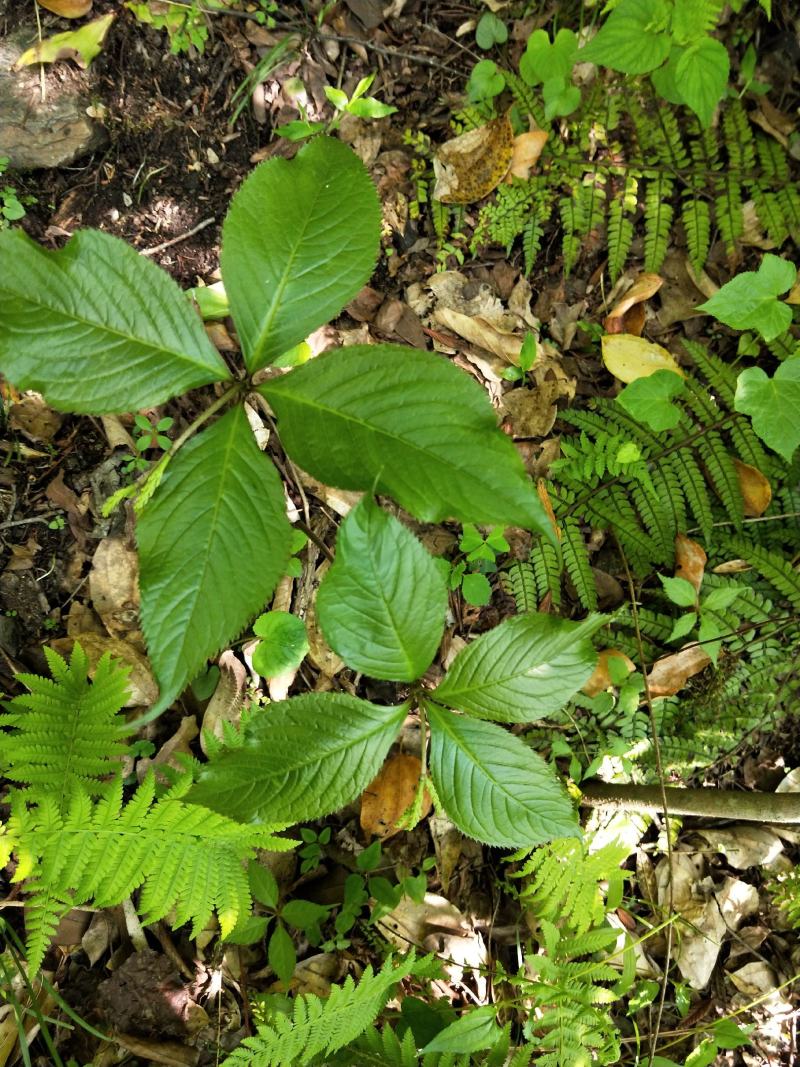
{"x": 67, "y": 9}
{"x": 472, "y": 164}
{"x": 690, "y": 560}
{"x": 601, "y": 678}
{"x": 628, "y": 357}
{"x": 527, "y": 149}
{"x": 390, "y": 794}
{"x": 81, "y": 45}
{"x": 756, "y": 490}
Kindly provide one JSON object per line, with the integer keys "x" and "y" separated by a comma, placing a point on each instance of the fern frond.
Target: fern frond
{"x": 319, "y": 1026}
{"x": 658, "y": 213}
{"x": 183, "y": 856}
{"x": 66, "y": 730}
{"x": 728, "y": 210}
{"x": 576, "y": 562}
{"x": 696, "y": 219}
{"x": 547, "y": 567}
{"x": 528, "y": 101}
{"x": 772, "y": 566}
{"x": 620, "y": 228}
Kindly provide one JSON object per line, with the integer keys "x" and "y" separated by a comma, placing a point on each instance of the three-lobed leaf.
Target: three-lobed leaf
{"x": 213, "y": 542}
{"x": 97, "y": 328}
{"x": 408, "y": 423}
{"x": 302, "y": 758}
{"x": 526, "y": 667}
{"x": 382, "y": 604}
{"x": 493, "y": 786}
{"x": 300, "y": 239}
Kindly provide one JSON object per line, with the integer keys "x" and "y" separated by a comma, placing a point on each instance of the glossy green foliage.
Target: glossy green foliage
{"x": 382, "y": 604}
{"x": 96, "y": 327}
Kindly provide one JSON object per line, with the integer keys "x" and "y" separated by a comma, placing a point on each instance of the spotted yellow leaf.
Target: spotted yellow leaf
{"x": 472, "y": 164}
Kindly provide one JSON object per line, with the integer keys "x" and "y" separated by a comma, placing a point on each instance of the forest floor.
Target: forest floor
{"x": 175, "y": 152}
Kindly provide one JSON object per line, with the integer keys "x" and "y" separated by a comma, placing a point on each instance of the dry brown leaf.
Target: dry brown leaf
{"x": 141, "y": 684}
{"x": 544, "y": 496}
{"x": 178, "y": 744}
{"x": 226, "y": 703}
{"x": 527, "y": 149}
{"x": 670, "y": 674}
{"x": 600, "y": 679}
{"x": 532, "y": 412}
{"x": 480, "y": 332}
{"x": 114, "y": 586}
{"x": 469, "y": 166}
{"x": 31, "y": 416}
{"x": 756, "y": 490}
{"x": 392, "y": 793}
{"x": 690, "y": 560}
{"x": 67, "y": 9}
{"x": 620, "y": 319}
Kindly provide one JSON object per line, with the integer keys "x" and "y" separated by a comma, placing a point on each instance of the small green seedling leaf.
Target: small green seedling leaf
{"x": 750, "y": 300}
{"x": 679, "y": 591}
{"x": 560, "y": 99}
{"x": 212, "y": 301}
{"x": 773, "y": 404}
{"x": 382, "y": 604}
{"x": 476, "y": 589}
{"x": 283, "y": 645}
{"x": 490, "y": 31}
{"x": 485, "y": 81}
{"x": 546, "y": 62}
{"x": 493, "y": 786}
{"x": 649, "y": 400}
{"x": 263, "y": 885}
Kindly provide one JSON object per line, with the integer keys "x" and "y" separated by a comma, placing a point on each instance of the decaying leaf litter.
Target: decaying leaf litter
{"x": 69, "y": 572}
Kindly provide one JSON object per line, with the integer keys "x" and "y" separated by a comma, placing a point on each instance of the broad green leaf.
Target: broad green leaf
{"x": 476, "y": 589}
{"x": 701, "y": 76}
{"x": 773, "y": 405}
{"x": 649, "y": 399}
{"x": 679, "y": 591}
{"x": 97, "y": 328}
{"x": 476, "y": 1030}
{"x": 382, "y": 604}
{"x": 408, "y": 423}
{"x": 281, "y": 953}
{"x": 543, "y": 61}
{"x": 750, "y": 300}
{"x": 633, "y": 39}
{"x": 213, "y": 542}
{"x": 263, "y": 884}
{"x": 526, "y": 667}
{"x": 300, "y": 239}
{"x": 304, "y": 757}
{"x": 493, "y": 786}
{"x": 283, "y": 645}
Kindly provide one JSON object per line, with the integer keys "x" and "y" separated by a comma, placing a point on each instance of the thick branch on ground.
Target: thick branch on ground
{"x": 710, "y": 803}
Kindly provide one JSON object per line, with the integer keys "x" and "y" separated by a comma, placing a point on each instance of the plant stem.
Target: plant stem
{"x": 742, "y": 806}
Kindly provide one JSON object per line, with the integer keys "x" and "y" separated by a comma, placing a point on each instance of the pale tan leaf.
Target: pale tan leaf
{"x": 645, "y": 286}
{"x": 226, "y": 703}
{"x": 690, "y": 560}
{"x": 469, "y": 166}
{"x": 527, "y": 149}
{"x": 481, "y": 332}
{"x": 114, "y": 586}
{"x": 392, "y": 793}
{"x": 671, "y": 673}
{"x": 32, "y": 416}
{"x": 628, "y": 357}
{"x": 600, "y": 679}
{"x": 755, "y": 487}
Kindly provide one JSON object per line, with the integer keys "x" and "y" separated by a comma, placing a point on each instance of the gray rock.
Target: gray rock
{"x": 36, "y": 133}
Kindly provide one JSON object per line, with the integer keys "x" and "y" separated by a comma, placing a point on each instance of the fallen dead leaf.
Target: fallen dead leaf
{"x": 469, "y": 166}
{"x": 114, "y": 586}
{"x": 31, "y": 416}
{"x": 67, "y": 9}
{"x": 226, "y": 703}
{"x": 671, "y": 673}
{"x": 744, "y": 845}
{"x": 628, "y": 357}
{"x": 755, "y": 487}
{"x": 178, "y": 744}
{"x": 527, "y": 149}
{"x": 391, "y": 794}
{"x": 690, "y": 560}
{"x": 447, "y": 844}
{"x": 479, "y": 332}
{"x": 116, "y": 434}
{"x": 544, "y": 496}
{"x": 141, "y": 683}
{"x": 617, "y": 320}
{"x": 600, "y": 679}
{"x": 532, "y": 412}
{"x": 81, "y": 45}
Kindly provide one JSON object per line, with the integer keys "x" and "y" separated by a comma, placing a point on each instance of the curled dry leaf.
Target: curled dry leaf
{"x": 756, "y": 490}
{"x": 628, "y": 357}
{"x": 671, "y": 673}
{"x": 67, "y": 9}
{"x": 178, "y": 744}
{"x": 469, "y": 166}
{"x": 226, "y": 703}
{"x": 527, "y": 149}
{"x": 600, "y": 679}
{"x": 619, "y": 319}
{"x": 690, "y": 560}
{"x": 31, "y": 416}
{"x": 482, "y": 333}
{"x": 392, "y": 793}
{"x": 141, "y": 683}
{"x": 81, "y": 45}
{"x": 114, "y": 586}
